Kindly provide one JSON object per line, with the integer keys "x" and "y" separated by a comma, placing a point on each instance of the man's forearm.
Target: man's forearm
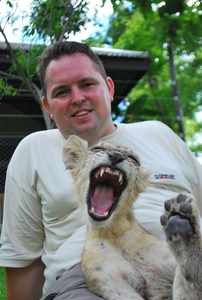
{"x": 25, "y": 283}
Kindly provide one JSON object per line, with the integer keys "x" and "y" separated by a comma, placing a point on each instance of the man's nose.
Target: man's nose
{"x": 77, "y": 96}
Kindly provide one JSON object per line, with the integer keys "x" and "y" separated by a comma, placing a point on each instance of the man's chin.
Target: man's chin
{"x": 87, "y": 133}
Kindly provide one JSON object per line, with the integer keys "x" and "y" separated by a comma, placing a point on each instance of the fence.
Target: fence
{"x": 8, "y": 143}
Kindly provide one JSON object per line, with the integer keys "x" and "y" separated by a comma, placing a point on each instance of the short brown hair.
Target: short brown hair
{"x": 61, "y": 48}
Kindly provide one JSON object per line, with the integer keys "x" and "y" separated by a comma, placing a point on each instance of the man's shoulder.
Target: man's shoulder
{"x": 148, "y": 125}
{"x": 36, "y": 145}
{"x": 39, "y": 140}
{"x": 148, "y": 130}
{"x": 42, "y": 136}
{"x": 43, "y": 133}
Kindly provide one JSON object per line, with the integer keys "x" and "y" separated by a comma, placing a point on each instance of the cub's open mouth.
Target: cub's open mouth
{"x": 106, "y": 186}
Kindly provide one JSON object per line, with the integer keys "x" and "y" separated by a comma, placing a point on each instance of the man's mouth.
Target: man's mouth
{"x": 81, "y": 113}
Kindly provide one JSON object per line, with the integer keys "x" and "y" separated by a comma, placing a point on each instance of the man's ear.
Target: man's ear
{"x": 110, "y": 85}
{"x": 45, "y": 105}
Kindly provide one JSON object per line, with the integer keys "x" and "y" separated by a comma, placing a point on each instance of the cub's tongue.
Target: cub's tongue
{"x": 102, "y": 198}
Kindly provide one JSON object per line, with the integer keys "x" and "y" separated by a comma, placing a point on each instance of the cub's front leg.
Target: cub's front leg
{"x": 181, "y": 226}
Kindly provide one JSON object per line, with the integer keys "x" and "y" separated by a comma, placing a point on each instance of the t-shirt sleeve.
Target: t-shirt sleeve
{"x": 188, "y": 157}
{"x": 22, "y": 232}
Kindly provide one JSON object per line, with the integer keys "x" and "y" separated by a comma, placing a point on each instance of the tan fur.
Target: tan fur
{"x": 120, "y": 260}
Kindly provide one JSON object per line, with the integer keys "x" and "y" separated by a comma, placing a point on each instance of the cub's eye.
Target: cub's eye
{"x": 97, "y": 149}
{"x": 134, "y": 159}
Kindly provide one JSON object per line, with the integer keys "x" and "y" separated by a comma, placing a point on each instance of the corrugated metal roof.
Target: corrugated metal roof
{"x": 120, "y": 52}
{"x": 99, "y": 51}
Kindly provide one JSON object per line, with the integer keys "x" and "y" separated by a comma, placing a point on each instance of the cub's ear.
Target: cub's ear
{"x": 73, "y": 151}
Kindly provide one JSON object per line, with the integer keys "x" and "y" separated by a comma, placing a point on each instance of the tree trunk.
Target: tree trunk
{"x": 176, "y": 97}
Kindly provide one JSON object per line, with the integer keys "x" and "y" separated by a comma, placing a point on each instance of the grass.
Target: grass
{"x": 2, "y": 284}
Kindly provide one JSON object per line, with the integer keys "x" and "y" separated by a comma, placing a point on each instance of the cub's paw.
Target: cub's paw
{"x": 180, "y": 219}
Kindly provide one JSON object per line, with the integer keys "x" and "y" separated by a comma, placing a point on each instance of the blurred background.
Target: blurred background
{"x": 152, "y": 50}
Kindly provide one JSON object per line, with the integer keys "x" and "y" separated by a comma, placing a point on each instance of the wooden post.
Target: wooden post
{"x": 176, "y": 97}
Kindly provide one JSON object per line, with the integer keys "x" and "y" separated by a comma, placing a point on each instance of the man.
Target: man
{"x": 43, "y": 228}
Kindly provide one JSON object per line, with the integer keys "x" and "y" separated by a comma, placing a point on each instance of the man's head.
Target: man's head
{"x": 59, "y": 49}
{"x": 77, "y": 91}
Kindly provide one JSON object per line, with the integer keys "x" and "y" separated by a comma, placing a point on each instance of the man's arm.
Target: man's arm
{"x": 25, "y": 283}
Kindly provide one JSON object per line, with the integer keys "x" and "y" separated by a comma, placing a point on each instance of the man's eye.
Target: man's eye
{"x": 62, "y": 93}
{"x": 88, "y": 85}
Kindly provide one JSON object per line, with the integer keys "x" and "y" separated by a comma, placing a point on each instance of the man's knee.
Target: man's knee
{"x": 71, "y": 286}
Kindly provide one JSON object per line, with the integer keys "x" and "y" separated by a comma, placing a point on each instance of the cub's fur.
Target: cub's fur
{"x": 120, "y": 260}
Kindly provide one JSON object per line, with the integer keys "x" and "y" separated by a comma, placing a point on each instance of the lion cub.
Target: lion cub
{"x": 121, "y": 261}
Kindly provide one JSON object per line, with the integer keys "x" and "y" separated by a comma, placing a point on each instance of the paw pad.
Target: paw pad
{"x": 176, "y": 219}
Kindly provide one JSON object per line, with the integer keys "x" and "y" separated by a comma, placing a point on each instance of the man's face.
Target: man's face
{"x": 78, "y": 97}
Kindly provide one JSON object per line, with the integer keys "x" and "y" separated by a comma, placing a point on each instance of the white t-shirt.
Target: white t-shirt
{"x": 41, "y": 215}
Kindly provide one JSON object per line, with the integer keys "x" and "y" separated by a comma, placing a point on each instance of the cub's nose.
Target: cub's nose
{"x": 115, "y": 157}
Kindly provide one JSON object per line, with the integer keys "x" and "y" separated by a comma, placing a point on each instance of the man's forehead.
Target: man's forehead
{"x": 73, "y": 64}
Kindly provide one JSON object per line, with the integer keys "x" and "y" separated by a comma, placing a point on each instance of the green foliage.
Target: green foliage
{"x": 193, "y": 134}
{"x": 147, "y": 25}
{"x": 9, "y": 3}
{"x": 27, "y": 60}
{"x": 2, "y": 284}
{"x": 118, "y": 24}
{"x": 49, "y": 21}
{"x": 56, "y": 19}
{"x": 6, "y": 89}
{"x": 189, "y": 74}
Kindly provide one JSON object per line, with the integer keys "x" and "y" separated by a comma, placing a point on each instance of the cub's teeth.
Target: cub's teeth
{"x": 121, "y": 178}
{"x": 92, "y": 210}
{"x": 97, "y": 174}
{"x": 102, "y": 172}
